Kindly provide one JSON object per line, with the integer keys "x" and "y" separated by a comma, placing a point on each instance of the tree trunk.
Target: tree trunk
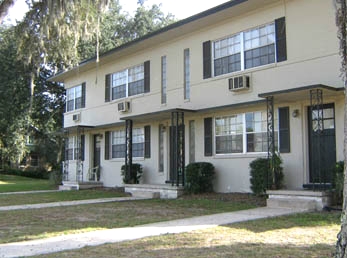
{"x": 341, "y": 20}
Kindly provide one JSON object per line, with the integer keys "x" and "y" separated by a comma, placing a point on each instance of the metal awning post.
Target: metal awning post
{"x": 316, "y": 98}
{"x": 270, "y": 139}
{"x": 79, "y": 163}
{"x": 128, "y": 148}
{"x": 178, "y": 148}
{"x": 66, "y": 156}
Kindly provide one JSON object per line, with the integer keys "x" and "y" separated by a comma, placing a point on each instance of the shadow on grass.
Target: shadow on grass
{"x": 147, "y": 250}
{"x": 312, "y": 219}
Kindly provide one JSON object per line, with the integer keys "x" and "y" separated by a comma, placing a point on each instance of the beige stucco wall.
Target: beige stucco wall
{"x": 312, "y": 51}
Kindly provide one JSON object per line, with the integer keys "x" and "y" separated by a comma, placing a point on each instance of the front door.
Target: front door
{"x": 97, "y": 151}
{"x": 97, "y": 155}
{"x": 322, "y": 145}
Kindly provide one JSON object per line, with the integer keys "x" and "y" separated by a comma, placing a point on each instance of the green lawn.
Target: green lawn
{"x": 32, "y": 198}
{"x": 311, "y": 235}
{"x": 10, "y": 183}
{"x": 21, "y": 225}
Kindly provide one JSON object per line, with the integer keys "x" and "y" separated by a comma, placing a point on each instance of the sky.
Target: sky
{"x": 180, "y": 8}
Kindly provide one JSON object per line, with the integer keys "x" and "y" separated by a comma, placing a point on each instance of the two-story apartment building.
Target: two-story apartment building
{"x": 224, "y": 86}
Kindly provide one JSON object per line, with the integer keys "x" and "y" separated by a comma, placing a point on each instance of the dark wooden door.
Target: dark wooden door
{"x": 322, "y": 144}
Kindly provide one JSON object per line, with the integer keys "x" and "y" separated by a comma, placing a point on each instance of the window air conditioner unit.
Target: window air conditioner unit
{"x": 239, "y": 83}
{"x": 76, "y": 117}
{"x": 124, "y": 106}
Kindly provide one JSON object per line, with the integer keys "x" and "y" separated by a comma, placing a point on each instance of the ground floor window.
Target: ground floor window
{"x": 243, "y": 133}
{"x": 71, "y": 150}
{"x": 118, "y": 143}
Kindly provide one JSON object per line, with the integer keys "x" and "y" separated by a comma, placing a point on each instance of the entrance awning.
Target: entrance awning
{"x": 159, "y": 115}
{"x": 302, "y": 93}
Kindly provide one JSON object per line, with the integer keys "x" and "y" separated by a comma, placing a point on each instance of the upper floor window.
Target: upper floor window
{"x": 259, "y": 46}
{"x": 128, "y": 82}
{"x": 186, "y": 74}
{"x": 245, "y": 50}
{"x": 227, "y": 55}
{"x": 163, "y": 79}
{"x": 75, "y": 97}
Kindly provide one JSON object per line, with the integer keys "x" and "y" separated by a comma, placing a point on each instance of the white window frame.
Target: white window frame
{"x": 72, "y": 146}
{"x": 163, "y": 80}
{"x": 130, "y": 77}
{"x": 72, "y": 94}
{"x": 118, "y": 138}
{"x": 242, "y": 48}
{"x": 186, "y": 64}
{"x": 244, "y": 133}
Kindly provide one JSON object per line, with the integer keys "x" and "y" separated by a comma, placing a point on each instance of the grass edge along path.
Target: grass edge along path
{"x": 300, "y": 235}
{"x": 23, "y": 225}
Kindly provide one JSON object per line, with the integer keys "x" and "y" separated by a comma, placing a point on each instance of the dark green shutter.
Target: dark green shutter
{"x": 284, "y": 130}
{"x": 208, "y": 136}
{"x": 281, "y": 42}
{"x": 147, "y": 141}
{"x": 206, "y": 47}
{"x": 107, "y": 87}
{"x": 82, "y": 146}
{"x": 83, "y": 101}
{"x": 107, "y": 145}
{"x": 147, "y": 76}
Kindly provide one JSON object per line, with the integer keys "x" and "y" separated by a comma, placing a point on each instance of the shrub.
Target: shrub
{"x": 56, "y": 177}
{"x": 259, "y": 172}
{"x": 37, "y": 173}
{"x": 199, "y": 177}
{"x": 338, "y": 180}
{"x": 278, "y": 172}
{"x": 135, "y": 175}
{"x": 261, "y": 176}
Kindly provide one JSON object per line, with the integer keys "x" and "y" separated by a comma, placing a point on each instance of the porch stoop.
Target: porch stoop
{"x": 301, "y": 199}
{"x": 154, "y": 191}
{"x": 73, "y": 185}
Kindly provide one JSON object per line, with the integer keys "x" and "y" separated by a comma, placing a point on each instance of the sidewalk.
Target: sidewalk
{"x": 67, "y": 203}
{"x": 75, "y": 241}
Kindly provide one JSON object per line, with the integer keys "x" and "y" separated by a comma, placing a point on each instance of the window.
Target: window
{"x": 186, "y": 74}
{"x": 75, "y": 98}
{"x": 191, "y": 141}
{"x": 227, "y": 54}
{"x": 118, "y": 143}
{"x": 71, "y": 150}
{"x": 74, "y": 148}
{"x": 254, "y": 47}
{"x": 161, "y": 147}
{"x": 256, "y": 130}
{"x": 258, "y": 46}
{"x": 128, "y": 82}
{"x": 138, "y": 142}
{"x": 163, "y": 79}
{"x": 243, "y": 133}
{"x": 229, "y": 134}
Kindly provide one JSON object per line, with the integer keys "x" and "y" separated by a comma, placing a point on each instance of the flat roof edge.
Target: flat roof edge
{"x": 308, "y": 87}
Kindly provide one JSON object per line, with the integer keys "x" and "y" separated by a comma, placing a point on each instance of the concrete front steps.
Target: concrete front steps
{"x": 73, "y": 185}
{"x": 299, "y": 199}
{"x": 154, "y": 191}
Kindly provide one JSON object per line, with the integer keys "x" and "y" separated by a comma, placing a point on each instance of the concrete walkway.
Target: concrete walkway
{"x": 75, "y": 241}
{"x": 67, "y": 203}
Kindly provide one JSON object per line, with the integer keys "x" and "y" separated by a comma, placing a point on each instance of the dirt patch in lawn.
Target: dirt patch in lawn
{"x": 252, "y": 199}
